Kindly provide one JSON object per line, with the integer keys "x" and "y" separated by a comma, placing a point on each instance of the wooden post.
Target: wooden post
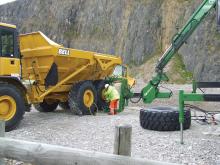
{"x": 2, "y": 134}
{"x": 122, "y": 144}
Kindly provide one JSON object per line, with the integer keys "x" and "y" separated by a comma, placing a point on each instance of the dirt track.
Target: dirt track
{"x": 97, "y": 132}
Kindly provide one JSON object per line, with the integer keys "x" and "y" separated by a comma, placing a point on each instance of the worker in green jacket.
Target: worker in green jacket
{"x": 111, "y": 95}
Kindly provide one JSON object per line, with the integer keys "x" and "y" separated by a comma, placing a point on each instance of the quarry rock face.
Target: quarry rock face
{"x": 135, "y": 30}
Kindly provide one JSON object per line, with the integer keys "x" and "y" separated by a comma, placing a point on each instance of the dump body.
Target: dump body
{"x": 37, "y": 50}
{"x": 39, "y": 54}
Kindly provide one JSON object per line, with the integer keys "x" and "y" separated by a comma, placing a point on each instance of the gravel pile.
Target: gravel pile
{"x": 96, "y": 133}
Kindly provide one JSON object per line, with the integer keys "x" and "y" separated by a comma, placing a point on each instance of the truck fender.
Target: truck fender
{"x": 15, "y": 81}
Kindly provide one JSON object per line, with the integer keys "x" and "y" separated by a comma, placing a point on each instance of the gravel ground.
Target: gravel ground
{"x": 96, "y": 133}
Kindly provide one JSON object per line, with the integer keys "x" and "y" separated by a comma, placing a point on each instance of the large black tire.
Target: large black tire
{"x": 101, "y": 103}
{"x": 16, "y": 95}
{"x": 64, "y": 105}
{"x": 163, "y": 119}
{"x": 76, "y": 103}
{"x": 46, "y": 106}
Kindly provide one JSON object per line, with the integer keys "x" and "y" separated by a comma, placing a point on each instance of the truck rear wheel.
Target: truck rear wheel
{"x": 83, "y": 98}
{"x": 101, "y": 103}
{"x": 163, "y": 119}
{"x": 12, "y": 106}
{"x": 47, "y": 106}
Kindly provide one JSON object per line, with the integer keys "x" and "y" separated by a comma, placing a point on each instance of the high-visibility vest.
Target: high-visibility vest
{"x": 111, "y": 94}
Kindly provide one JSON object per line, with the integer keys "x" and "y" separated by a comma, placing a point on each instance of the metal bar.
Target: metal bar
{"x": 212, "y": 97}
{"x": 123, "y": 93}
{"x": 2, "y": 134}
{"x": 201, "y": 97}
{"x": 193, "y": 97}
{"x": 181, "y": 114}
{"x": 62, "y": 82}
{"x": 181, "y": 133}
{"x": 208, "y": 84}
{"x": 165, "y": 95}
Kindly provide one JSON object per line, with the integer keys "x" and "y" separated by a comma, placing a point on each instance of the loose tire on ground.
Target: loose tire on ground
{"x": 12, "y": 105}
{"x": 101, "y": 103}
{"x": 46, "y": 106}
{"x": 163, "y": 119}
{"x": 64, "y": 105}
{"x": 83, "y": 98}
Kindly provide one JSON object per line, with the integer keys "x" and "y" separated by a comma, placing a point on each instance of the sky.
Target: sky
{"x": 5, "y": 1}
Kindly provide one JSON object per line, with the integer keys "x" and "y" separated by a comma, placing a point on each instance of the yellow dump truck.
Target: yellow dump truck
{"x": 38, "y": 71}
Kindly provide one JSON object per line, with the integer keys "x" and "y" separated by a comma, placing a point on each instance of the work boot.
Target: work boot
{"x": 111, "y": 112}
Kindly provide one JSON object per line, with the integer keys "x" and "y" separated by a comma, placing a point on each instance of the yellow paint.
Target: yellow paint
{"x": 39, "y": 53}
{"x": 9, "y": 66}
{"x": 131, "y": 81}
{"x": 8, "y": 107}
{"x": 88, "y": 98}
{"x": 7, "y": 25}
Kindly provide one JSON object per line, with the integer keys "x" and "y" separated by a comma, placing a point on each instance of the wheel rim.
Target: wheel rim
{"x": 8, "y": 107}
{"x": 88, "y": 98}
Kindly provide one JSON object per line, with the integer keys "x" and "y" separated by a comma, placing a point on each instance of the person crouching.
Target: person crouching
{"x": 111, "y": 95}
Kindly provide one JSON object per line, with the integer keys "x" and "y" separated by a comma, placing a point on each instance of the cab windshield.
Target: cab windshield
{"x": 6, "y": 43}
{"x": 120, "y": 71}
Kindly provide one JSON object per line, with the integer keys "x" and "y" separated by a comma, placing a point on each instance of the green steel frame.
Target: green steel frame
{"x": 125, "y": 91}
{"x": 182, "y": 98}
{"x": 196, "y": 97}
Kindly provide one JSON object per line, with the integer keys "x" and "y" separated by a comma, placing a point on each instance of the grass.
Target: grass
{"x": 177, "y": 71}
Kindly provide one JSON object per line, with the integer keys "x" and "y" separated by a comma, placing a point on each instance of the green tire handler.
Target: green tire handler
{"x": 151, "y": 91}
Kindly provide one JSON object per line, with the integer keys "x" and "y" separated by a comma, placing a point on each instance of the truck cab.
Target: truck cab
{"x": 12, "y": 93}
{"x": 9, "y": 52}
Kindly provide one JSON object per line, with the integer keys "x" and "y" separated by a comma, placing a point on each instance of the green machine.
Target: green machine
{"x": 151, "y": 91}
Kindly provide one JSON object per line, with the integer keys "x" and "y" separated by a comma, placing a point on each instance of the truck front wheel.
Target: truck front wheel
{"x": 12, "y": 106}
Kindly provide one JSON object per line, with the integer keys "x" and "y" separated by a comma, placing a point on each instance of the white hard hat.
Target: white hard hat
{"x": 106, "y": 85}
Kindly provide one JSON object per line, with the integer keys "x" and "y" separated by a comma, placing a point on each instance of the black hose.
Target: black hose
{"x": 135, "y": 102}
{"x": 35, "y": 75}
{"x": 200, "y": 109}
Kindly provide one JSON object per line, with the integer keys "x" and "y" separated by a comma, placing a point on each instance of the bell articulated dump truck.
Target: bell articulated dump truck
{"x": 38, "y": 71}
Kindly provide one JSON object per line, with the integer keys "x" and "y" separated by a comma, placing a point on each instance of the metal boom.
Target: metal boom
{"x": 151, "y": 91}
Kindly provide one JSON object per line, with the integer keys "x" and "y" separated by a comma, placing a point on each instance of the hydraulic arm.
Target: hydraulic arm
{"x": 151, "y": 91}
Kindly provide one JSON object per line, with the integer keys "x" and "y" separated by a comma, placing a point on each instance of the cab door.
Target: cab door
{"x": 9, "y": 54}
{"x": 122, "y": 71}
